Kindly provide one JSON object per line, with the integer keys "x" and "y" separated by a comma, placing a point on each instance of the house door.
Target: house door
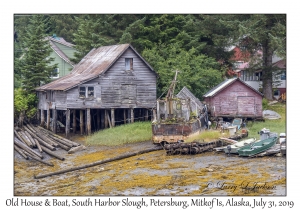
{"x": 246, "y": 105}
{"x": 128, "y": 94}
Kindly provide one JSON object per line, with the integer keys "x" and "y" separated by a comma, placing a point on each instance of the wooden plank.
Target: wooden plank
{"x": 112, "y": 113}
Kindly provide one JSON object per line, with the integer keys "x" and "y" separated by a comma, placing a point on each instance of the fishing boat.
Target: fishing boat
{"x": 233, "y": 149}
{"x": 257, "y": 147}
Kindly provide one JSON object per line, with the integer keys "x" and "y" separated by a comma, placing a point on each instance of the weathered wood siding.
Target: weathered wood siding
{"x": 237, "y": 100}
{"x": 116, "y": 88}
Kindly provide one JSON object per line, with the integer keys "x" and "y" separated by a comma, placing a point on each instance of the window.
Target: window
{"x": 86, "y": 92}
{"x": 276, "y": 93}
{"x": 55, "y": 73}
{"x": 82, "y": 92}
{"x": 283, "y": 75}
{"x": 90, "y": 92}
{"x": 128, "y": 63}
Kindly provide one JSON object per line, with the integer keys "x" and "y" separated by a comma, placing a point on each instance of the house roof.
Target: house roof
{"x": 59, "y": 52}
{"x": 186, "y": 93}
{"x": 225, "y": 84}
{"x": 95, "y": 63}
{"x": 280, "y": 64}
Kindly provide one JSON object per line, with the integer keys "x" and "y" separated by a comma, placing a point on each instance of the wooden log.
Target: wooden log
{"x": 81, "y": 122}
{"x": 20, "y": 137}
{"x": 43, "y": 137}
{"x": 41, "y": 141}
{"x": 26, "y": 148}
{"x": 67, "y": 123}
{"x": 60, "y": 141}
{"x": 46, "y": 150}
{"x": 98, "y": 162}
{"x": 20, "y": 152}
{"x": 30, "y": 138}
{"x": 75, "y": 149}
{"x": 58, "y": 136}
{"x": 25, "y": 138}
{"x": 37, "y": 159}
{"x": 37, "y": 144}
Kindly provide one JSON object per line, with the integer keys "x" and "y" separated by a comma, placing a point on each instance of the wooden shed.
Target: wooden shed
{"x": 234, "y": 98}
{"x": 111, "y": 85}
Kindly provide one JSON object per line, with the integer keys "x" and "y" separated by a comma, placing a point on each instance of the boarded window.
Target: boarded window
{"x": 128, "y": 63}
{"x": 81, "y": 92}
{"x": 90, "y": 92}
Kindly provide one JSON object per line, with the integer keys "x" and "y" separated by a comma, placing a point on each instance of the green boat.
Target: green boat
{"x": 257, "y": 147}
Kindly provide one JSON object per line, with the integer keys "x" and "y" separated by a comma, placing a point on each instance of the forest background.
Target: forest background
{"x": 198, "y": 45}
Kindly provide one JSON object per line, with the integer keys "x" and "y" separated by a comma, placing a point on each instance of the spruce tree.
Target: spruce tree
{"x": 36, "y": 69}
{"x": 265, "y": 32}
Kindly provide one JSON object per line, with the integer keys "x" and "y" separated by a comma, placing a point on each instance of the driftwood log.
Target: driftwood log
{"x": 19, "y": 150}
{"x": 27, "y": 149}
{"x": 48, "y": 151}
{"x": 98, "y": 162}
{"x": 38, "y": 159}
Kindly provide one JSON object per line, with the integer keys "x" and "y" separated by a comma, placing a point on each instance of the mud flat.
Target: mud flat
{"x": 153, "y": 173}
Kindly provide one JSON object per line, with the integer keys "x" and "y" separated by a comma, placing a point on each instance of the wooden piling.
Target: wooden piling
{"x": 67, "y": 123}
{"x": 54, "y": 120}
{"x": 74, "y": 121}
{"x": 88, "y": 121}
{"x": 81, "y": 122}
{"x": 98, "y": 119}
{"x": 42, "y": 118}
{"x": 48, "y": 118}
{"x": 112, "y": 113}
{"x": 132, "y": 115}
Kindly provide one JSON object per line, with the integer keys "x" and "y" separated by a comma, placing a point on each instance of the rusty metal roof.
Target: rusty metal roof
{"x": 225, "y": 84}
{"x": 96, "y": 62}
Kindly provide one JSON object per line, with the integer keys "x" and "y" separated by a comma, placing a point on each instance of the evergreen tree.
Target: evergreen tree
{"x": 265, "y": 32}
{"x": 36, "y": 69}
{"x": 198, "y": 73}
{"x": 64, "y": 26}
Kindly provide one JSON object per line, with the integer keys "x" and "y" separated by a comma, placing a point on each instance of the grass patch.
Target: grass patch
{"x": 277, "y": 126}
{"x": 207, "y": 136}
{"x": 123, "y": 134}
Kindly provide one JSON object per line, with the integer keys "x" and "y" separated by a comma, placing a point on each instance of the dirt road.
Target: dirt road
{"x": 152, "y": 173}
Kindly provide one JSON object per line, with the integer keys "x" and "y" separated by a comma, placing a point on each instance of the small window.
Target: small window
{"x": 55, "y": 73}
{"x": 81, "y": 92}
{"x": 276, "y": 93}
{"x": 90, "y": 92}
{"x": 128, "y": 63}
{"x": 283, "y": 75}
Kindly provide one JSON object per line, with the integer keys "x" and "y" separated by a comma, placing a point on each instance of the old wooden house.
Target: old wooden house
{"x": 234, "y": 98}
{"x": 111, "y": 85}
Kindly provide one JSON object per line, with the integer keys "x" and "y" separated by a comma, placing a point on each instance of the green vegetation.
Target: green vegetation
{"x": 207, "y": 136}
{"x": 277, "y": 126}
{"x": 123, "y": 134}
